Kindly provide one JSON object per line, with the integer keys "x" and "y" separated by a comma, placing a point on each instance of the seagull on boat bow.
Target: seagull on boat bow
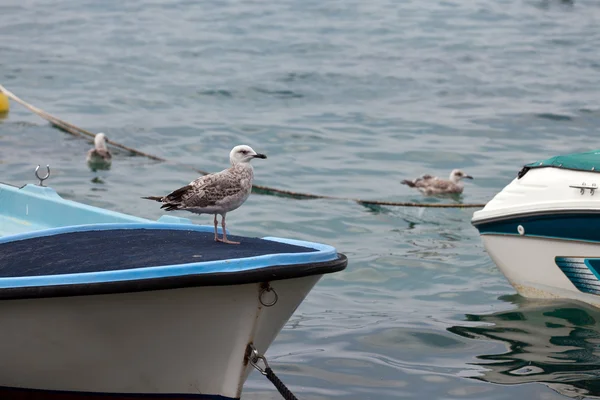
{"x": 217, "y": 193}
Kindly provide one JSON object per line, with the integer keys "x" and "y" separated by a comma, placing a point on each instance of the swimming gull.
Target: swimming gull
{"x": 430, "y": 185}
{"x": 217, "y": 193}
{"x": 99, "y": 156}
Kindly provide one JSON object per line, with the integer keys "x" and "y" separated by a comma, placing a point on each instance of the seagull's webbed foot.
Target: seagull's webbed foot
{"x": 225, "y": 240}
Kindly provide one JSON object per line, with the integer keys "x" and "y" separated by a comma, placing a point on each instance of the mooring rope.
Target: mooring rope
{"x": 259, "y": 189}
{"x": 253, "y": 357}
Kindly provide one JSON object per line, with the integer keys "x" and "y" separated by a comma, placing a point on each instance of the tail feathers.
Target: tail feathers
{"x": 409, "y": 183}
{"x": 155, "y": 198}
{"x": 166, "y": 206}
{"x": 170, "y": 206}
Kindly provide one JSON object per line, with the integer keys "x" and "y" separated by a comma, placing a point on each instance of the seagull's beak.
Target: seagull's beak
{"x": 258, "y": 155}
{"x": 468, "y": 177}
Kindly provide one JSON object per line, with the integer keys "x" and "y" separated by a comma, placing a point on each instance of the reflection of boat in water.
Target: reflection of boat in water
{"x": 555, "y": 344}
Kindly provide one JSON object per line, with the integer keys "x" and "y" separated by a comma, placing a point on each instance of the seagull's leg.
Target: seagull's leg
{"x": 224, "y": 240}
{"x": 216, "y": 224}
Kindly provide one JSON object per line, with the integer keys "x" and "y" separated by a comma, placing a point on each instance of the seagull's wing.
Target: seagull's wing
{"x": 417, "y": 182}
{"x": 104, "y": 154}
{"x": 439, "y": 185}
{"x": 208, "y": 190}
{"x": 425, "y": 177}
{"x": 99, "y": 153}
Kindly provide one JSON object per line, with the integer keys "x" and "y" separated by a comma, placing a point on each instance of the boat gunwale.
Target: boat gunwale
{"x": 260, "y": 275}
{"x": 14, "y": 186}
{"x": 295, "y": 262}
{"x": 498, "y": 218}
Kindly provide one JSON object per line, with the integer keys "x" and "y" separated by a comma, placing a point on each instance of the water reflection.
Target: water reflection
{"x": 555, "y": 343}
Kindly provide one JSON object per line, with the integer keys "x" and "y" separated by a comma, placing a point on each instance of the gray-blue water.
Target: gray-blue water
{"x": 346, "y": 98}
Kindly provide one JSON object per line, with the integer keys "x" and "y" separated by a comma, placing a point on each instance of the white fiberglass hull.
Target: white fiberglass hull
{"x": 96, "y": 304}
{"x": 530, "y": 265}
{"x": 188, "y": 341}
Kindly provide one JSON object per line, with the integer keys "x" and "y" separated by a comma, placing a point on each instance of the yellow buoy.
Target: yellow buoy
{"x": 4, "y": 104}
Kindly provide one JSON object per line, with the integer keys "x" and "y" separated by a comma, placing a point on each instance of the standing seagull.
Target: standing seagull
{"x": 99, "y": 157}
{"x": 216, "y": 193}
{"x": 430, "y": 185}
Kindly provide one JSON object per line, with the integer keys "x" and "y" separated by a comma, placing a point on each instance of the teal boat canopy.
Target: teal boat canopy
{"x": 588, "y": 161}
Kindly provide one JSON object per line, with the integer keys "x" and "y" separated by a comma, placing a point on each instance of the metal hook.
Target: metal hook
{"x": 254, "y": 358}
{"x": 42, "y": 179}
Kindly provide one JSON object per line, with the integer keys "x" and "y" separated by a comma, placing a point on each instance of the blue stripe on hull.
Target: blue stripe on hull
{"x": 581, "y": 272}
{"x": 10, "y": 393}
{"x": 565, "y": 226}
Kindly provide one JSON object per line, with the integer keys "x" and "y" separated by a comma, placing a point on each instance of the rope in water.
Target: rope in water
{"x": 259, "y": 189}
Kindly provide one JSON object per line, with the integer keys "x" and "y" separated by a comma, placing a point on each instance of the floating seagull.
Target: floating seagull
{"x": 430, "y": 185}
{"x": 216, "y": 193}
{"x": 99, "y": 157}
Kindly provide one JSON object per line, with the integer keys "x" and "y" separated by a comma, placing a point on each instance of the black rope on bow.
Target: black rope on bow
{"x": 281, "y": 388}
{"x": 254, "y": 358}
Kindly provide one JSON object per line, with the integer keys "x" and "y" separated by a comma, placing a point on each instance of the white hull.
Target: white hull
{"x": 96, "y": 304}
{"x": 547, "y": 213}
{"x": 177, "y": 341}
{"x": 529, "y": 265}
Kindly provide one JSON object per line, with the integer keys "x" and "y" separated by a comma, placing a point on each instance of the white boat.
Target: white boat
{"x": 96, "y": 304}
{"x": 543, "y": 229}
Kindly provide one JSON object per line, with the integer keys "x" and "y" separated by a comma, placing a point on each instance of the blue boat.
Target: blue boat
{"x": 96, "y": 303}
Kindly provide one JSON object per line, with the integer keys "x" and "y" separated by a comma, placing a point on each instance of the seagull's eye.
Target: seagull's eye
{"x": 244, "y": 151}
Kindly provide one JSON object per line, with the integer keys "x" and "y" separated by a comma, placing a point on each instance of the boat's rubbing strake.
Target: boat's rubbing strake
{"x": 38, "y": 394}
{"x": 114, "y": 258}
{"x": 580, "y": 225}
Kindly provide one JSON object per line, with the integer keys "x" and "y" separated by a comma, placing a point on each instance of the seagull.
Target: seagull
{"x": 99, "y": 157}
{"x": 217, "y": 193}
{"x": 430, "y": 185}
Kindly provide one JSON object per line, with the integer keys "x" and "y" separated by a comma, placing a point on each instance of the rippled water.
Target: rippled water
{"x": 346, "y": 98}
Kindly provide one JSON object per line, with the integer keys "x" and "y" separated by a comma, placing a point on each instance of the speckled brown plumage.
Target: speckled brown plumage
{"x": 217, "y": 193}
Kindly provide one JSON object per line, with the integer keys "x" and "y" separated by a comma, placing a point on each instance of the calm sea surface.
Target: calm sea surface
{"x": 346, "y": 98}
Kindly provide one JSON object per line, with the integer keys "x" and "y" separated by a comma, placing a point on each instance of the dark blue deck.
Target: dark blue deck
{"x": 120, "y": 249}
{"x": 126, "y": 257}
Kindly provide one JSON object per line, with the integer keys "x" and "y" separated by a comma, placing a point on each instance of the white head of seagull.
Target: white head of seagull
{"x": 100, "y": 141}
{"x": 457, "y": 175}
{"x": 243, "y": 154}
{"x": 99, "y": 157}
